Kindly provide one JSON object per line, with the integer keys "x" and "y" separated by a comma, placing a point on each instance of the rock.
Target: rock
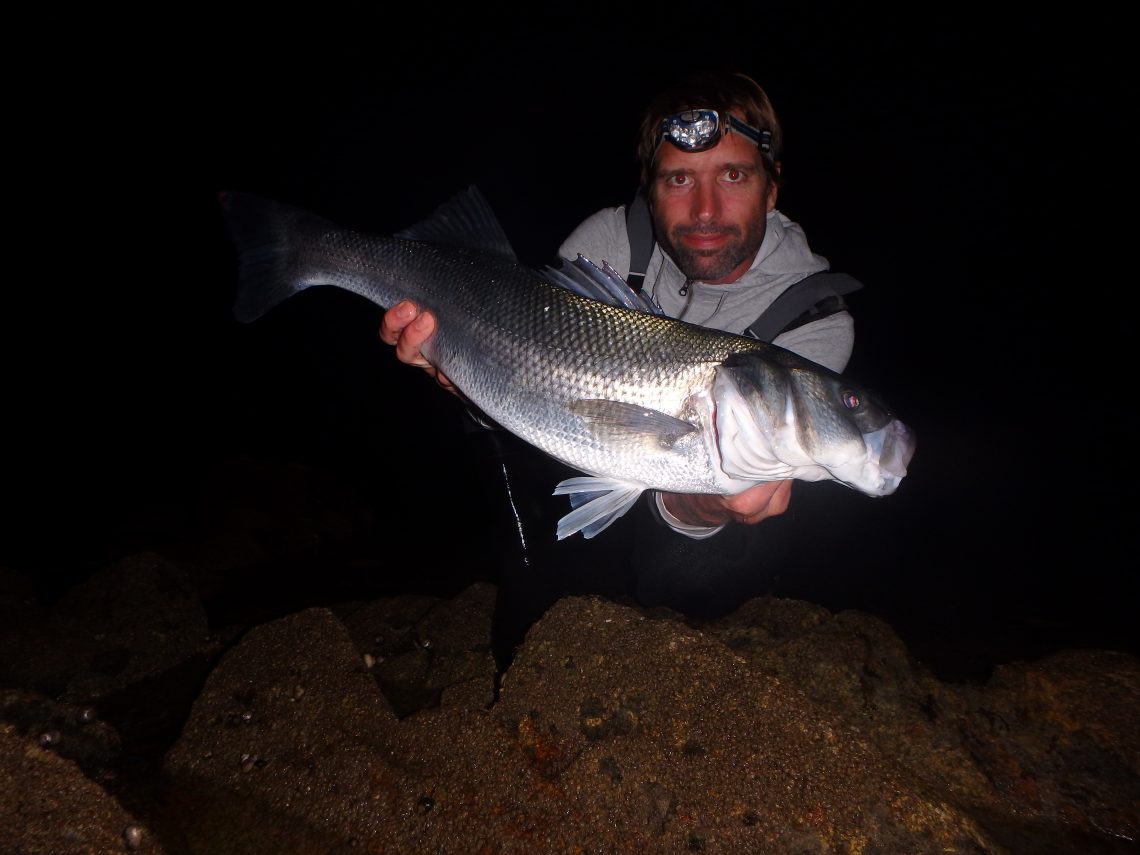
{"x": 427, "y": 651}
{"x": 284, "y": 749}
{"x": 1047, "y": 752}
{"x": 382, "y": 725}
{"x": 1059, "y": 739}
{"x": 75, "y": 733}
{"x": 613, "y": 733}
{"x": 131, "y": 621}
{"x": 665, "y": 736}
{"x": 48, "y": 807}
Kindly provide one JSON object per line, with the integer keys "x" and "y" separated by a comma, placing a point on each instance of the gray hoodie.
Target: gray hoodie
{"x": 784, "y": 259}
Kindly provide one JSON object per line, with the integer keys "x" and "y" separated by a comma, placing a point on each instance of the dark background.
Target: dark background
{"x": 970, "y": 168}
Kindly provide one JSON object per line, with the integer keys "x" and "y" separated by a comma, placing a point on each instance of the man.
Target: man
{"x": 709, "y": 152}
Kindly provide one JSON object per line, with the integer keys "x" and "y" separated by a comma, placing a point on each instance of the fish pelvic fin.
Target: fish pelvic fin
{"x": 597, "y": 502}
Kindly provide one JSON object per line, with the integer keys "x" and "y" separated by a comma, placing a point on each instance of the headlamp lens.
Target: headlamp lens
{"x": 698, "y": 130}
{"x": 694, "y": 130}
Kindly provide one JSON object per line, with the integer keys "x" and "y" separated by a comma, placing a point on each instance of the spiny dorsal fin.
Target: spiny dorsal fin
{"x": 604, "y": 284}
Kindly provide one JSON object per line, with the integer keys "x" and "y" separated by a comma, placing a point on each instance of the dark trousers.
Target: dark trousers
{"x": 638, "y": 558}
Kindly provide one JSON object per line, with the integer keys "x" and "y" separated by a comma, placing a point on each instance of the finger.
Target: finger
{"x": 760, "y": 502}
{"x": 781, "y": 499}
{"x": 395, "y": 320}
{"x": 409, "y": 346}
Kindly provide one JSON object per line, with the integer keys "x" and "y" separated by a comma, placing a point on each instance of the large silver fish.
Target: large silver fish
{"x": 635, "y": 400}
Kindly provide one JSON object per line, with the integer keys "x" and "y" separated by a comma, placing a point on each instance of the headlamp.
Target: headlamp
{"x": 698, "y": 130}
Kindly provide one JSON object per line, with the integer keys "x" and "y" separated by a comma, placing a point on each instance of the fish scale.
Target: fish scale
{"x": 633, "y": 399}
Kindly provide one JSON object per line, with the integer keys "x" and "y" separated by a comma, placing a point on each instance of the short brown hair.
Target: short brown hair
{"x": 723, "y": 91}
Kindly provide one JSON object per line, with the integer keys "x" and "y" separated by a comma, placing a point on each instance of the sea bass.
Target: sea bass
{"x": 576, "y": 364}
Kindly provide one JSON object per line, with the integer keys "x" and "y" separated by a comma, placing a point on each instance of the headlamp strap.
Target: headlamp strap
{"x": 762, "y": 139}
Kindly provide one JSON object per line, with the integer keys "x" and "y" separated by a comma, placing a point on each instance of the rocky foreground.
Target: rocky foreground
{"x": 129, "y": 722}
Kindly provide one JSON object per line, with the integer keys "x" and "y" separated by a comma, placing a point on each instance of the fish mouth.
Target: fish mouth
{"x": 894, "y": 446}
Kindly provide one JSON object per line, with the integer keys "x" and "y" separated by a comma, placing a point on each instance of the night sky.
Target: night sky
{"x": 965, "y": 168}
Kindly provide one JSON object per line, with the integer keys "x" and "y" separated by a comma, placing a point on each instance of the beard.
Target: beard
{"x": 707, "y": 265}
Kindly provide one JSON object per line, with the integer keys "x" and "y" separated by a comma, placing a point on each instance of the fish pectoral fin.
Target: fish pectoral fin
{"x": 597, "y": 502}
{"x": 618, "y": 422}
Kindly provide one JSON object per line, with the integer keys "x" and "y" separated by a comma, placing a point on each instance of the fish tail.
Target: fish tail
{"x": 265, "y": 235}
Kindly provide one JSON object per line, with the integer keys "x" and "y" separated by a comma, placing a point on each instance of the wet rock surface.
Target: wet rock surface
{"x": 142, "y": 711}
{"x": 48, "y": 805}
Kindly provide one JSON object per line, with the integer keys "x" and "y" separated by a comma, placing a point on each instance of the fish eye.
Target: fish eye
{"x": 850, "y": 399}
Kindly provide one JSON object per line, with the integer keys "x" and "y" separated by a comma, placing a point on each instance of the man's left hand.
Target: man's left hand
{"x": 754, "y": 505}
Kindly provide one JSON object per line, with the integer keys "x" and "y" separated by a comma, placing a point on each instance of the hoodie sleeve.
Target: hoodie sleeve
{"x": 828, "y": 341}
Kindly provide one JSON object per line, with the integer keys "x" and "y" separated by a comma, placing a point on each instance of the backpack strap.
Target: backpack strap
{"x": 639, "y": 225}
{"x": 810, "y": 299}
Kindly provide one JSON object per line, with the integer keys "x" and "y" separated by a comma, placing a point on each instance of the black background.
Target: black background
{"x": 970, "y": 168}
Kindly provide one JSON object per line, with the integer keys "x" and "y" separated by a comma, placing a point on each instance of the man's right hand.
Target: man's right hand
{"x": 407, "y": 327}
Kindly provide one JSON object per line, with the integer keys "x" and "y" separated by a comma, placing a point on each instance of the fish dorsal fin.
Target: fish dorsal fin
{"x": 604, "y": 284}
{"x": 465, "y": 221}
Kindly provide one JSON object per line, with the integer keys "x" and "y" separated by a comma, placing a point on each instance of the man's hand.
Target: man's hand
{"x": 406, "y": 327}
{"x": 754, "y": 505}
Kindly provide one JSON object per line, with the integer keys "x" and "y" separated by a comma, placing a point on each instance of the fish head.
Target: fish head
{"x": 780, "y": 416}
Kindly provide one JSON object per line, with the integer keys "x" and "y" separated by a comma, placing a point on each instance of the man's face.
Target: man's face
{"x": 709, "y": 207}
